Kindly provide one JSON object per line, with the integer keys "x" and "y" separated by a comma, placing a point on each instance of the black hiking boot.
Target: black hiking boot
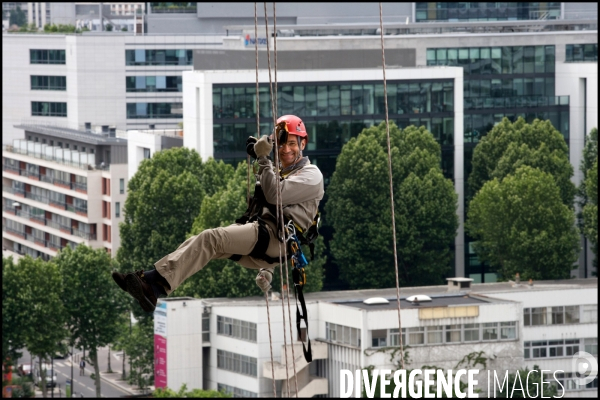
{"x": 119, "y": 279}
{"x": 141, "y": 290}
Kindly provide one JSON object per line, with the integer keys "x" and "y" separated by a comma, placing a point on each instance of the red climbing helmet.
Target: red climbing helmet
{"x": 294, "y": 125}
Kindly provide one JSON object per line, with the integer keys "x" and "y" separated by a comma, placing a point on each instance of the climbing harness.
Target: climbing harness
{"x": 299, "y": 261}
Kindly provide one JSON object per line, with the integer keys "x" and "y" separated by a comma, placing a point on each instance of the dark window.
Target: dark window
{"x": 39, "y": 82}
{"x": 158, "y": 57}
{"x": 47, "y": 56}
{"x": 154, "y": 110}
{"x": 48, "y": 109}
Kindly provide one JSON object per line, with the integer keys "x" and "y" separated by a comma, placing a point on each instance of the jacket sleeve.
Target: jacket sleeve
{"x": 299, "y": 187}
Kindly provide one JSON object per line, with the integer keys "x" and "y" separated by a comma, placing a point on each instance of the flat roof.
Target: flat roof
{"x": 73, "y": 134}
{"x": 436, "y": 301}
{"x": 349, "y": 297}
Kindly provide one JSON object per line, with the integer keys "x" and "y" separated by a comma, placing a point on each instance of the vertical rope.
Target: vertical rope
{"x": 258, "y": 135}
{"x": 389, "y": 149}
{"x": 280, "y": 212}
{"x": 278, "y": 193}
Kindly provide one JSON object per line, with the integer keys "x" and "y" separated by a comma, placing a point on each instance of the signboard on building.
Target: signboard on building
{"x": 160, "y": 345}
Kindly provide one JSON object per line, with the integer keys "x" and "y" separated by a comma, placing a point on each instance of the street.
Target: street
{"x": 83, "y": 386}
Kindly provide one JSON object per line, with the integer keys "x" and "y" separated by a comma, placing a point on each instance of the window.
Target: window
{"x": 452, "y": 333}
{"x": 146, "y": 153}
{"x": 122, "y": 186}
{"x": 379, "y": 338}
{"x": 47, "y": 56}
{"x": 435, "y": 334}
{"x": 39, "y": 82}
{"x": 342, "y": 334}
{"x": 117, "y": 209}
{"x": 394, "y": 339}
{"x": 571, "y": 346}
{"x": 154, "y": 110}
{"x": 538, "y": 316}
{"x": 508, "y": 330}
{"x": 581, "y": 52}
{"x": 555, "y": 348}
{"x": 591, "y": 346}
{"x": 158, "y": 57}
{"x": 237, "y": 363}
{"x": 48, "y": 109}
{"x": 558, "y": 315}
{"x": 490, "y": 331}
{"x": 471, "y": 332}
{"x": 153, "y": 83}
{"x": 416, "y": 335}
{"x": 572, "y": 314}
{"x": 236, "y": 328}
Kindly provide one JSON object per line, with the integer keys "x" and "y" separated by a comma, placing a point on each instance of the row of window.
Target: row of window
{"x": 51, "y": 197}
{"x": 560, "y": 348}
{"x": 488, "y": 11}
{"x": 237, "y": 363}
{"x": 342, "y": 334}
{"x": 236, "y": 328}
{"x": 560, "y": 315}
{"x": 458, "y": 333}
{"x": 367, "y": 98}
{"x": 36, "y": 235}
{"x": 568, "y": 382}
{"x": 153, "y": 83}
{"x": 509, "y": 87}
{"x": 48, "y": 109}
{"x": 234, "y": 391}
{"x": 158, "y": 57}
{"x": 47, "y": 56}
{"x": 59, "y": 144}
{"x": 496, "y": 60}
{"x": 581, "y": 52}
{"x": 154, "y": 110}
{"x": 41, "y": 82}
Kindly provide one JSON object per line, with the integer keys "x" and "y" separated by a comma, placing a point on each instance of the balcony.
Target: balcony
{"x": 314, "y": 387}
{"x": 49, "y": 223}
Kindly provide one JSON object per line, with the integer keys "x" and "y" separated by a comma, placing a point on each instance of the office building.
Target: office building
{"x": 63, "y": 187}
{"x": 224, "y": 343}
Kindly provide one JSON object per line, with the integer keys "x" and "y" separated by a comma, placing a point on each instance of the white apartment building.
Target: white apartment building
{"x": 142, "y": 144}
{"x": 224, "y": 343}
{"x": 62, "y": 187}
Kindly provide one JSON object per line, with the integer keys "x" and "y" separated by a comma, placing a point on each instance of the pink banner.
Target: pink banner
{"x": 160, "y": 361}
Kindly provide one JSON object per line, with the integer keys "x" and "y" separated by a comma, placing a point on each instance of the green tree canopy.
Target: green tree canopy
{"x": 358, "y": 209}
{"x": 14, "y": 314}
{"x": 94, "y": 304}
{"x": 521, "y": 225}
{"x": 225, "y": 278}
{"x": 184, "y": 392}
{"x": 38, "y": 292}
{"x": 164, "y": 198}
{"x": 509, "y": 145}
{"x": 590, "y": 210}
{"x": 17, "y": 17}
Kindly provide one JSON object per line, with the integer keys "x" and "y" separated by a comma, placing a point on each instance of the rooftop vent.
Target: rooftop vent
{"x": 458, "y": 284}
{"x": 376, "y": 300}
{"x": 419, "y": 298}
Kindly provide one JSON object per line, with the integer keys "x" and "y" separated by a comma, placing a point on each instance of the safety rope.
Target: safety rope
{"x": 276, "y": 155}
{"x": 280, "y": 212}
{"x": 258, "y": 134}
{"x": 387, "y": 127}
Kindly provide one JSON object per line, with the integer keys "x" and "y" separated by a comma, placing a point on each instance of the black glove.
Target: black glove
{"x": 250, "y": 142}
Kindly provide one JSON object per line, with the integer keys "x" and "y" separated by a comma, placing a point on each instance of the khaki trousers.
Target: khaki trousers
{"x": 218, "y": 243}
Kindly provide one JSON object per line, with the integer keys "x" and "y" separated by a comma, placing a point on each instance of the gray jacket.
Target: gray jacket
{"x": 301, "y": 191}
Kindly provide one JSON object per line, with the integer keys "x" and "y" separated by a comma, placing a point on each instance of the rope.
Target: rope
{"x": 280, "y": 212}
{"x": 258, "y": 134}
{"x": 278, "y": 194}
{"x": 389, "y": 148}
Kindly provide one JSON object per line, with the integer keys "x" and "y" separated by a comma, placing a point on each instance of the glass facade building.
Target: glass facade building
{"x": 491, "y": 11}
{"x": 508, "y": 81}
{"x": 333, "y": 113}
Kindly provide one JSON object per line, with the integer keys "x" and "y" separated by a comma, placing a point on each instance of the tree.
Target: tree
{"x": 521, "y": 225}
{"x": 94, "y": 304}
{"x": 14, "y": 314}
{"x": 164, "y": 198}
{"x": 38, "y": 292}
{"x": 526, "y": 383}
{"x": 139, "y": 347}
{"x": 17, "y": 17}
{"x": 588, "y": 222}
{"x": 194, "y": 393}
{"x": 358, "y": 209}
{"x": 225, "y": 278}
{"x": 590, "y": 210}
{"x": 109, "y": 27}
{"x": 509, "y": 146}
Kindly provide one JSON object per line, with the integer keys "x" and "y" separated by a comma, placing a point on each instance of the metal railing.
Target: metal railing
{"x": 478, "y": 103}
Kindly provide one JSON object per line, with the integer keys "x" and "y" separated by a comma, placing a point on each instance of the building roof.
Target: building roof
{"x": 72, "y": 134}
{"x": 476, "y": 294}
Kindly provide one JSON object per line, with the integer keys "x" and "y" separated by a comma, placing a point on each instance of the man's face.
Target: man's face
{"x": 289, "y": 151}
